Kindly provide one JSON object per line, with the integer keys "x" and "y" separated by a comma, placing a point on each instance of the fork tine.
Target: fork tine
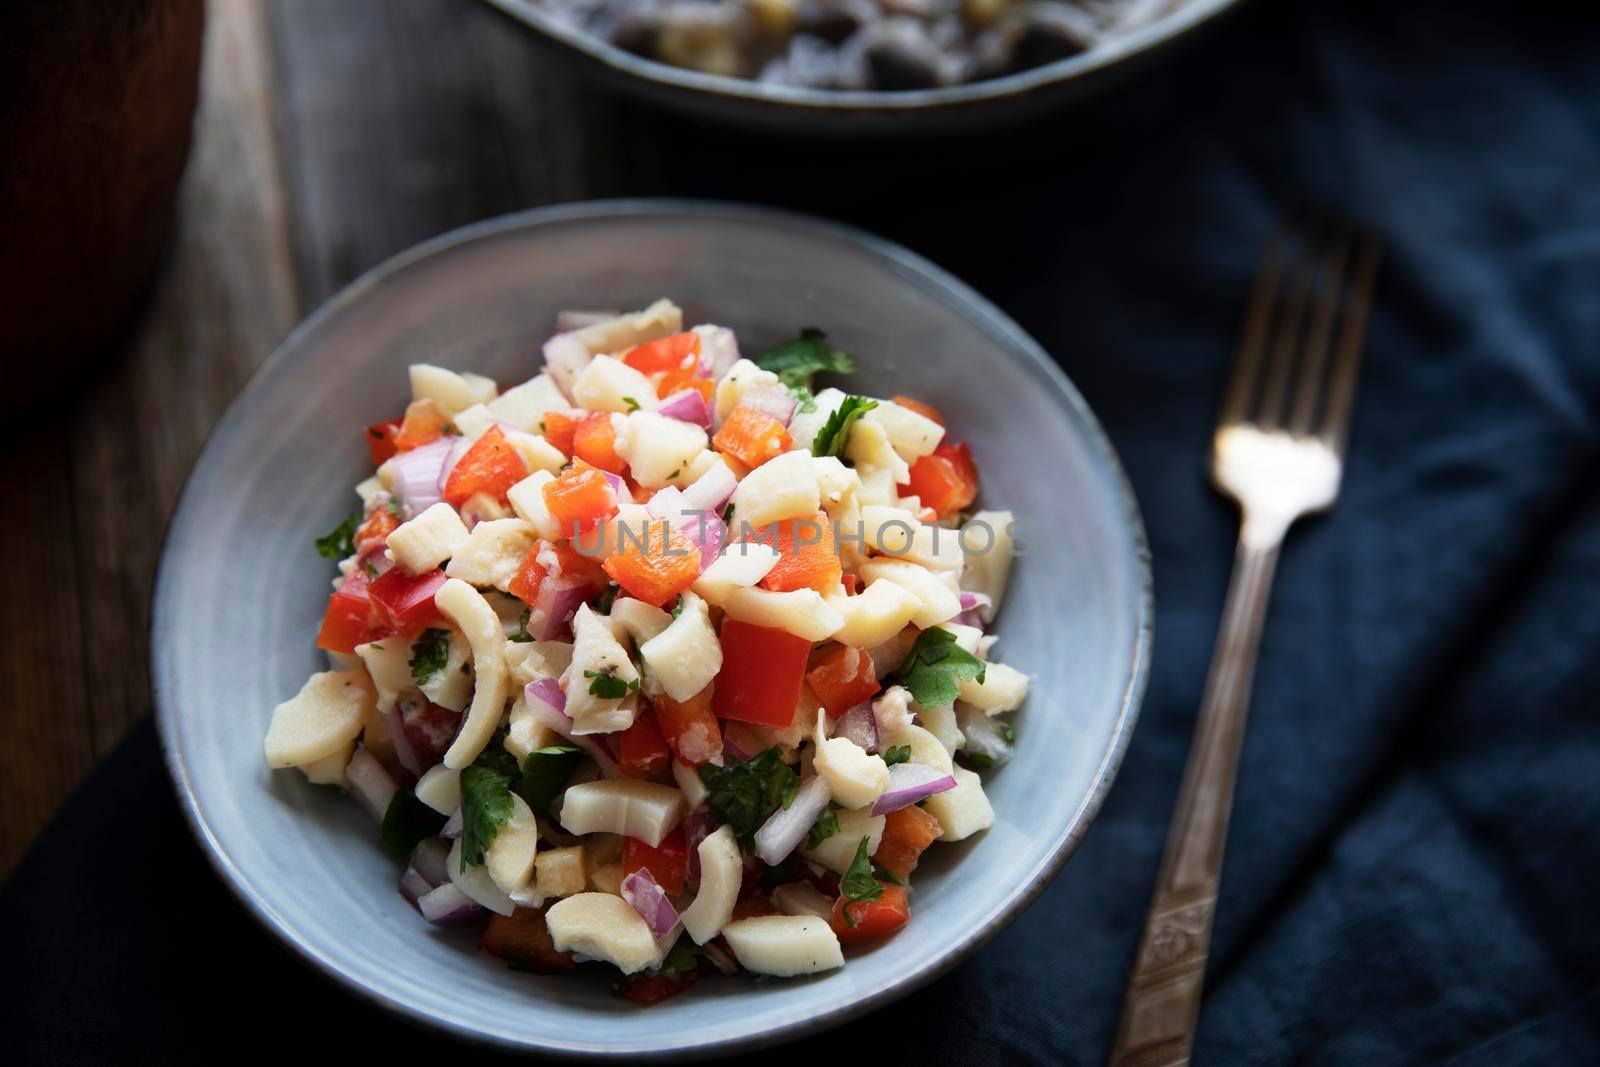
{"x": 1276, "y": 385}
{"x": 1331, "y": 281}
{"x": 1241, "y": 384}
{"x": 1347, "y": 363}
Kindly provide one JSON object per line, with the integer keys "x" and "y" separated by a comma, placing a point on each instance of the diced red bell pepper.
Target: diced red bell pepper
{"x": 429, "y": 727}
{"x": 424, "y": 423}
{"x": 523, "y": 939}
{"x": 675, "y": 381}
{"x": 375, "y": 531}
{"x": 641, "y": 750}
{"x": 529, "y": 577}
{"x": 570, "y": 563}
{"x": 842, "y": 677}
{"x": 580, "y": 496}
{"x": 906, "y": 835}
{"x": 595, "y": 442}
{"x": 668, "y": 862}
{"x": 490, "y": 466}
{"x": 946, "y": 480}
{"x": 351, "y": 618}
{"x": 665, "y": 353}
{"x": 752, "y": 436}
{"x": 559, "y": 427}
{"x": 871, "y": 919}
{"x": 690, "y": 727}
{"x": 405, "y": 601}
{"x": 762, "y": 671}
{"x": 655, "y": 563}
{"x": 807, "y": 555}
{"x": 380, "y": 440}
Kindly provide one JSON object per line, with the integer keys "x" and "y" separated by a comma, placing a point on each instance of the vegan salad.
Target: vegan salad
{"x": 665, "y": 657}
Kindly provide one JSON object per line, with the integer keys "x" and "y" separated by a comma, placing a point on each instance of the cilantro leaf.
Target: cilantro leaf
{"x": 608, "y": 686}
{"x": 677, "y": 606}
{"x": 633, "y": 405}
{"x": 602, "y": 603}
{"x": 835, "y": 433}
{"x": 684, "y": 957}
{"x": 485, "y": 807}
{"x": 826, "y": 826}
{"x": 897, "y": 754}
{"x": 544, "y": 772}
{"x": 744, "y": 794}
{"x": 858, "y": 885}
{"x": 796, "y": 360}
{"x": 978, "y": 760}
{"x": 341, "y": 542}
{"x": 803, "y": 399}
{"x": 429, "y": 654}
{"x": 1008, "y": 732}
{"x": 935, "y": 667}
{"x": 395, "y": 508}
{"x": 884, "y": 874}
{"x": 407, "y": 823}
{"x": 522, "y": 636}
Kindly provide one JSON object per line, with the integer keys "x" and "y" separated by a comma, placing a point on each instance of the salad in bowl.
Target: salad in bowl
{"x": 665, "y": 658}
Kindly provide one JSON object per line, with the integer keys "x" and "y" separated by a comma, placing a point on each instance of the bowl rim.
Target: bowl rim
{"x": 1154, "y": 33}
{"x": 895, "y": 257}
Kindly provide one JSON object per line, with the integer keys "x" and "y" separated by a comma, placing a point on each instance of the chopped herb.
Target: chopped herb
{"x": 429, "y": 654}
{"x": 803, "y": 399}
{"x": 826, "y": 826}
{"x": 377, "y": 645}
{"x": 858, "y": 886}
{"x": 674, "y": 474}
{"x": 677, "y": 606}
{"x": 1008, "y": 732}
{"x": 603, "y": 602}
{"x": 341, "y": 542}
{"x": 485, "y": 807}
{"x": 395, "y": 508}
{"x": 884, "y": 874}
{"x": 522, "y": 636}
{"x": 936, "y": 666}
{"x": 835, "y": 433}
{"x": 684, "y": 957}
{"x": 980, "y": 760}
{"x": 744, "y": 794}
{"x": 541, "y": 427}
{"x": 372, "y": 572}
{"x": 544, "y": 773}
{"x": 897, "y": 754}
{"x": 450, "y": 428}
{"x": 727, "y": 513}
{"x": 408, "y": 822}
{"x": 795, "y": 361}
{"x": 633, "y": 405}
{"x": 607, "y": 686}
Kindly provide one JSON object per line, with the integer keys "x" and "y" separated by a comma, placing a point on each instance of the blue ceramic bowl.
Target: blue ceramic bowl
{"x": 240, "y": 593}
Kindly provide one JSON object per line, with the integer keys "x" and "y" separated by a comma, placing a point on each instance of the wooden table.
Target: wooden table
{"x": 330, "y": 135}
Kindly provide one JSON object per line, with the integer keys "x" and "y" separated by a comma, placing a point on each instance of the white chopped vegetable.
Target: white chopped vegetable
{"x": 527, "y": 500}
{"x": 568, "y": 353}
{"x": 806, "y": 424}
{"x": 784, "y": 487}
{"x": 536, "y": 453}
{"x": 801, "y": 612}
{"x": 876, "y": 614}
{"x": 1003, "y": 689}
{"x": 940, "y": 721}
{"x": 600, "y": 926}
{"x": 913, "y": 435}
{"x": 802, "y": 898}
{"x": 689, "y": 784}
{"x": 636, "y": 619}
{"x": 525, "y": 406}
{"x": 967, "y": 637}
{"x": 451, "y": 391}
{"x": 935, "y": 547}
{"x": 628, "y": 806}
{"x": 440, "y": 789}
{"x": 741, "y": 565}
{"x": 329, "y": 770}
{"x": 510, "y": 855}
{"x": 988, "y": 546}
{"x": 721, "y": 869}
{"x": 743, "y": 377}
{"x": 961, "y": 811}
{"x": 388, "y": 664}
{"x": 450, "y": 686}
{"x": 925, "y": 748}
{"x": 888, "y": 530}
{"x": 855, "y": 776}
{"x": 784, "y": 945}
{"x": 472, "y": 615}
{"x": 320, "y": 720}
{"x": 527, "y": 732}
{"x": 531, "y": 660}
{"x": 422, "y": 543}
{"x": 598, "y": 661}
{"x": 608, "y": 384}
{"x": 686, "y": 655}
{"x": 877, "y": 486}
{"x": 474, "y": 880}
{"x": 836, "y": 851}
{"x": 560, "y": 872}
{"x": 938, "y": 601}
{"x": 869, "y": 446}
{"x": 659, "y": 449}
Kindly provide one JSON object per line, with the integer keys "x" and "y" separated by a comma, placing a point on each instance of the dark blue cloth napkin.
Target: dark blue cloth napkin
{"x": 1414, "y": 856}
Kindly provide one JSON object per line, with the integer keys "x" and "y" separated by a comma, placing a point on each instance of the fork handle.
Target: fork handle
{"x": 1162, "y": 1003}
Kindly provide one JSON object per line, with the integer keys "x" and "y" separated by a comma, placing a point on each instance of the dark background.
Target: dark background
{"x": 1413, "y": 857}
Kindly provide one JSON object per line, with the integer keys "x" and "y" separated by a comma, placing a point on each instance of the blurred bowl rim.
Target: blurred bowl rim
{"x": 1158, "y": 31}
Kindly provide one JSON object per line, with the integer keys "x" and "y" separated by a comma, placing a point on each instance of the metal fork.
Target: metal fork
{"x": 1278, "y": 452}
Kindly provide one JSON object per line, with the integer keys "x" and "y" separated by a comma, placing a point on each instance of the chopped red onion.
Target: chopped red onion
{"x": 429, "y": 859}
{"x": 860, "y": 725}
{"x": 739, "y": 741}
{"x": 543, "y": 697}
{"x": 802, "y": 898}
{"x": 719, "y": 956}
{"x": 701, "y": 824}
{"x": 370, "y": 783}
{"x": 566, "y": 356}
{"x": 402, "y": 744}
{"x": 719, "y": 351}
{"x": 909, "y": 783}
{"x": 711, "y": 490}
{"x": 984, "y": 736}
{"x": 568, "y": 320}
{"x": 687, "y": 406}
{"x": 787, "y": 827}
{"x": 976, "y": 609}
{"x": 458, "y": 448}
{"x": 554, "y": 605}
{"x": 418, "y": 473}
{"x": 774, "y": 400}
{"x": 447, "y": 905}
{"x": 413, "y": 886}
{"x": 452, "y": 826}
{"x": 648, "y": 899}
{"x": 618, "y": 487}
